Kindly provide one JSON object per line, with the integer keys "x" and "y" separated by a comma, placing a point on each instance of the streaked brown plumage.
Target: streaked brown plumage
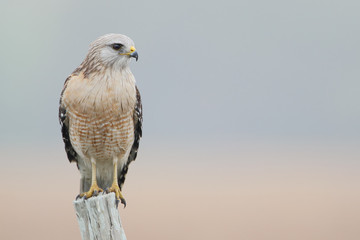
{"x": 101, "y": 115}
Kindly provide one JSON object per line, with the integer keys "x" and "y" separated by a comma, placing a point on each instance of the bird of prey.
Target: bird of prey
{"x": 100, "y": 115}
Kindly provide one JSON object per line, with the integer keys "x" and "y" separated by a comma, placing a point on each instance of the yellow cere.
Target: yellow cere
{"x": 132, "y": 49}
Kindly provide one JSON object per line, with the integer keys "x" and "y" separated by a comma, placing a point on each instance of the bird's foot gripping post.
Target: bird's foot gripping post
{"x": 99, "y": 218}
{"x": 94, "y": 188}
{"x": 115, "y": 186}
{"x": 94, "y": 191}
{"x": 119, "y": 197}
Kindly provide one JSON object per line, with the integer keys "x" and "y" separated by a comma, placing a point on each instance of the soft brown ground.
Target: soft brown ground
{"x": 250, "y": 192}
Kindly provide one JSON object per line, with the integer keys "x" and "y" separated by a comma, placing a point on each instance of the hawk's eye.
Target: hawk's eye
{"x": 116, "y": 46}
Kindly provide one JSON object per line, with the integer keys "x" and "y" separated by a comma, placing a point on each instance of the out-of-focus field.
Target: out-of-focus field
{"x": 254, "y": 191}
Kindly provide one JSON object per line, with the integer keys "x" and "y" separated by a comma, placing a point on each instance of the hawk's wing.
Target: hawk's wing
{"x": 64, "y": 122}
{"x": 137, "y": 135}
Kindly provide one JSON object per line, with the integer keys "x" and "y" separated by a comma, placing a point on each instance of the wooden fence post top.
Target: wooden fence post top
{"x": 99, "y": 218}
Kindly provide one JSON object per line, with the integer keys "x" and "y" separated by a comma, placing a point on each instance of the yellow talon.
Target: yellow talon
{"x": 94, "y": 190}
{"x": 115, "y": 187}
{"x": 119, "y": 197}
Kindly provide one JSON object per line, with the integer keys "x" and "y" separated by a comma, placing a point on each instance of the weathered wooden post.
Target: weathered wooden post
{"x": 99, "y": 218}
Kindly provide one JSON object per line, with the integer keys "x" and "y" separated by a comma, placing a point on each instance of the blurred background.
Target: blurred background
{"x": 251, "y": 117}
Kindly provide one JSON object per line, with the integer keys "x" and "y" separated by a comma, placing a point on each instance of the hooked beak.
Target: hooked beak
{"x": 134, "y": 55}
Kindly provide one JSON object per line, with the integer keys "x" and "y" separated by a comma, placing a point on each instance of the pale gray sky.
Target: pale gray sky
{"x": 207, "y": 70}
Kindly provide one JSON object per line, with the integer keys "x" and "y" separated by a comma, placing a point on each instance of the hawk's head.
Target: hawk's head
{"x": 111, "y": 50}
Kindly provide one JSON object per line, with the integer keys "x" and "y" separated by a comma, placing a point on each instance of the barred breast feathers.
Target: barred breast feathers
{"x": 100, "y": 110}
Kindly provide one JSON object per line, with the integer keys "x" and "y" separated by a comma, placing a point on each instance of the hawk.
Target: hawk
{"x": 100, "y": 115}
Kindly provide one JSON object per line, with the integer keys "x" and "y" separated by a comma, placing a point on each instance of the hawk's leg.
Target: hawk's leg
{"x": 94, "y": 189}
{"x": 115, "y": 187}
